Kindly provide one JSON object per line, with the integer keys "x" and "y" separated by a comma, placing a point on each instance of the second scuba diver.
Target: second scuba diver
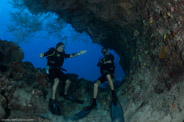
{"x": 107, "y": 68}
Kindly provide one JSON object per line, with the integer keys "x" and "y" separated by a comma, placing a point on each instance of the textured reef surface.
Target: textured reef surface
{"x": 147, "y": 35}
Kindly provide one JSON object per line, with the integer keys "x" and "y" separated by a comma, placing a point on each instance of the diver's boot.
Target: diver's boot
{"x": 92, "y": 106}
{"x": 53, "y": 107}
{"x": 114, "y": 98}
{"x": 93, "y": 103}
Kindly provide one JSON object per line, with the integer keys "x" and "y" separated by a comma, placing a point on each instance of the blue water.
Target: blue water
{"x": 84, "y": 65}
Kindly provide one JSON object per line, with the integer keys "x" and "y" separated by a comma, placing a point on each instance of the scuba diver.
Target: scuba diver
{"x": 107, "y": 68}
{"x": 55, "y": 59}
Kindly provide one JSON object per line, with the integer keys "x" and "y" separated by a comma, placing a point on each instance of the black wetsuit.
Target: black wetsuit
{"x": 55, "y": 60}
{"x": 107, "y": 68}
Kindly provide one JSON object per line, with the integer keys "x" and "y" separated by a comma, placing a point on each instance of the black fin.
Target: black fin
{"x": 82, "y": 113}
{"x": 117, "y": 113}
{"x": 73, "y": 99}
{"x": 53, "y": 107}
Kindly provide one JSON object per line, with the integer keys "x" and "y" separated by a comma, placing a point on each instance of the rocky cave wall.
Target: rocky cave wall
{"x": 133, "y": 29}
{"x": 109, "y": 23}
{"x": 148, "y": 36}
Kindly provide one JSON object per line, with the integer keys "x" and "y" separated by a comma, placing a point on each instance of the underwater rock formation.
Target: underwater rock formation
{"x": 10, "y": 52}
{"x": 148, "y": 36}
{"x": 2, "y": 106}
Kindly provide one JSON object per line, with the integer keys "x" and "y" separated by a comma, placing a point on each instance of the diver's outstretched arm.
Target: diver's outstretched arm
{"x": 77, "y": 54}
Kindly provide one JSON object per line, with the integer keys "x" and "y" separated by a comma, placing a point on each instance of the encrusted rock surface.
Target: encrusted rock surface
{"x": 148, "y": 36}
{"x": 2, "y": 106}
{"x": 10, "y": 52}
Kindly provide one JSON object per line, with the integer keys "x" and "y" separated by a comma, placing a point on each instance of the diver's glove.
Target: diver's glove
{"x": 53, "y": 107}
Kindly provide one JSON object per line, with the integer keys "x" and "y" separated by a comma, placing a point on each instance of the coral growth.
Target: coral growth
{"x": 10, "y": 52}
{"x": 148, "y": 36}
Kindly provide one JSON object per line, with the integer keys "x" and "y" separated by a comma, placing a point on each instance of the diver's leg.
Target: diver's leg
{"x": 111, "y": 85}
{"x": 110, "y": 81}
{"x": 54, "y": 87}
{"x": 95, "y": 90}
{"x": 67, "y": 85}
{"x": 53, "y": 107}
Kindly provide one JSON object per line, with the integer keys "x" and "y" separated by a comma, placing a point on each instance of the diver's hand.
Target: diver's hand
{"x": 41, "y": 55}
{"x": 82, "y": 52}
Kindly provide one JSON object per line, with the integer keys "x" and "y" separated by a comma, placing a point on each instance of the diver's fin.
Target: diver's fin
{"x": 73, "y": 99}
{"x": 82, "y": 113}
{"x": 117, "y": 112}
{"x": 53, "y": 107}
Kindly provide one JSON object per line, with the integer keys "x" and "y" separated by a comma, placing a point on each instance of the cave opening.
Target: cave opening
{"x": 40, "y": 38}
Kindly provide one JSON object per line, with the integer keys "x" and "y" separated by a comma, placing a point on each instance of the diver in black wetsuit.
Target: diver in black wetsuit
{"x": 107, "y": 68}
{"x": 55, "y": 59}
